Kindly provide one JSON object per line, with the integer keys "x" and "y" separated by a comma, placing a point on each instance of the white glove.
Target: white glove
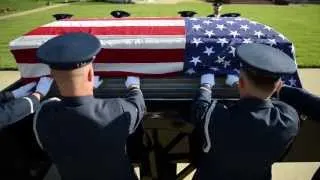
{"x": 208, "y": 79}
{"x": 44, "y": 85}
{"x": 232, "y": 79}
{"x": 132, "y": 81}
{"x": 23, "y": 90}
{"x": 97, "y": 81}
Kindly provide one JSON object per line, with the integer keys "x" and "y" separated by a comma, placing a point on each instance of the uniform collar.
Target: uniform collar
{"x": 77, "y": 101}
{"x": 255, "y": 102}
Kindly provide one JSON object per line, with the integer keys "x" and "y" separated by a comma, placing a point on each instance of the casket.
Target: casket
{"x": 168, "y": 53}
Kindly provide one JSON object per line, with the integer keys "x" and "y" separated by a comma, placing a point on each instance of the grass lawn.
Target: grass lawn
{"x": 301, "y": 24}
{"x": 13, "y": 6}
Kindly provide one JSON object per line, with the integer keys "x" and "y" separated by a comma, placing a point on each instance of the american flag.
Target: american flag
{"x": 212, "y": 42}
{"x": 156, "y": 47}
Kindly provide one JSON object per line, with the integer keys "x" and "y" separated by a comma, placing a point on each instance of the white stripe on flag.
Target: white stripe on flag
{"x": 33, "y": 70}
{"x": 111, "y": 42}
{"x": 37, "y": 70}
{"x": 115, "y": 23}
{"x": 29, "y": 42}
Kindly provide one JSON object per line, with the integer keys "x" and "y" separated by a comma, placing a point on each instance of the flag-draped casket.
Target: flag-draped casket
{"x": 156, "y": 47}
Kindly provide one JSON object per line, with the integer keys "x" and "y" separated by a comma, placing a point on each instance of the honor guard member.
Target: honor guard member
{"x": 302, "y": 100}
{"x": 119, "y": 14}
{"x": 244, "y": 140}
{"x": 231, "y": 15}
{"x": 187, "y": 13}
{"x": 85, "y": 136}
{"x": 19, "y": 103}
{"x": 62, "y": 16}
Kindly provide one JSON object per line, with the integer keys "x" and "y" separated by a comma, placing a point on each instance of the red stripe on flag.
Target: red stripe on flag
{"x": 128, "y": 30}
{"x": 121, "y": 19}
{"x": 25, "y": 55}
{"x": 116, "y": 55}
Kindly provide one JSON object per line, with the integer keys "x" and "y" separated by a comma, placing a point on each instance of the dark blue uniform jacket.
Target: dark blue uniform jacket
{"x": 242, "y": 141}
{"x": 86, "y": 137}
{"x": 303, "y": 101}
{"x": 13, "y": 110}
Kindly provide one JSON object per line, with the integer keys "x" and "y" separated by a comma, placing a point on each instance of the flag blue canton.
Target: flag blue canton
{"x": 211, "y": 45}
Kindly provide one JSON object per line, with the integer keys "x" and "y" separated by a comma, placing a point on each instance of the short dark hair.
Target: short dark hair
{"x": 261, "y": 81}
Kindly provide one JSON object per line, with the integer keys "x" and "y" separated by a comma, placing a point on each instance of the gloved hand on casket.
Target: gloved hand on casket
{"x": 232, "y": 80}
{"x": 132, "y": 82}
{"x": 44, "y": 85}
{"x": 23, "y": 90}
{"x": 97, "y": 81}
{"x": 207, "y": 80}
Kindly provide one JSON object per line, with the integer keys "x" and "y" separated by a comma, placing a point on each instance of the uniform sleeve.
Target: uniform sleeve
{"x": 6, "y": 96}
{"x": 200, "y": 105}
{"x": 303, "y": 101}
{"x": 134, "y": 104}
{"x": 202, "y": 110}
{"x": 17, "y": 109}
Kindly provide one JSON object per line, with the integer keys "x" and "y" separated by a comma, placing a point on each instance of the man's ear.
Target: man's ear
{"x": 90, "y": 74}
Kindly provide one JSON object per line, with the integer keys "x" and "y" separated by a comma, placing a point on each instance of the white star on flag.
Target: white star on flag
{"x": 230, "y": 22}
{"x": 209, "y": 33}
{"x": 207, "y": 22}
{"x": 282, "y": 36}
{"x": 258, "y": 33}
{"x": 234, "y": 34}
{"x": 267, "y": 28}
{"x": 196, "y": 41}
{"x": 220, "y": 59}
{"x": 194, "y": 19}
{"x": 292, "y": 82}
{"x": 244, "y": 27}
{"x": 195, "y": 60}
{"x": 226, "y": 64}
{"x": 232, "y": 51}
{"x": 222, "y": 41}
{"x": 247, "y": 41}
{"x": 190, "y": 71}
{"x": 272, "y": 42}
{"x": 208, "y": 51}
{"x": 197, "y": 27}
{"x": 221, "y": 27}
